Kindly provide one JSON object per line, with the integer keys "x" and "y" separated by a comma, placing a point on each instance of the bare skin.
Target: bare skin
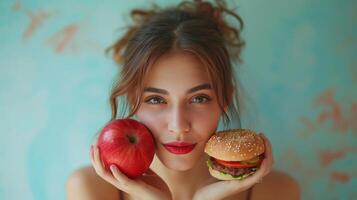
{"x": 86, "y": 184}
{"x": 175, "y": 114}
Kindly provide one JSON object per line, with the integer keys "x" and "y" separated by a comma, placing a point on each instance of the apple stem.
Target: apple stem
{"x": 131, "y": 138}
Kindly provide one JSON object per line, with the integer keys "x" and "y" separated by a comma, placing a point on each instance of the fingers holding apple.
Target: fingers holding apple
{"x": 118, "y": 179}
{"x": 99, "y": 166}
{"x": 124, "y": 151}
{"x": 123, "y": 181}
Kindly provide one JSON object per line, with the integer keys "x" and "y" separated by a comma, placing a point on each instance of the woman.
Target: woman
{"x": 178, "y": 80}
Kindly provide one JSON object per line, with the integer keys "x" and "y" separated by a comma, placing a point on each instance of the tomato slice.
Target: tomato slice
{"x": 236, "y": 164}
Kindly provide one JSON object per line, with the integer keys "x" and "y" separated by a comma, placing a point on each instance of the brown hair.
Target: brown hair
{"x": 197, "y": 27}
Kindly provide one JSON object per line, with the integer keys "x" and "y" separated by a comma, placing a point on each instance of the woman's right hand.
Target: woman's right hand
{"x": 140, "y": 188}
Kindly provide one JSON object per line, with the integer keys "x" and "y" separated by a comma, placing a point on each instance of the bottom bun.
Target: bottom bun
{"x": 227, "y": 177}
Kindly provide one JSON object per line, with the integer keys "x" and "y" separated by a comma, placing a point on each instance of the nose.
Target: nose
{"x": 178, "y": 122}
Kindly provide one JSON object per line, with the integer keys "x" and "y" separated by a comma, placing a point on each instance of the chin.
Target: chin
{"x": 177, "y": 167}
{"x": 177, "y": 163}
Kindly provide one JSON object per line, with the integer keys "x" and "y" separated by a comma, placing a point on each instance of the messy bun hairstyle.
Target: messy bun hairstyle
{"x": 197, "y": 27}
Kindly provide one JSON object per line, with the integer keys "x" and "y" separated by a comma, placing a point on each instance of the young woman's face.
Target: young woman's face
{"x": 179, "y": 105}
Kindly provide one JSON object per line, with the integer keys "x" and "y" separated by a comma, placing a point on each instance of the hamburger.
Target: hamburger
{"x": 234, "y": 154}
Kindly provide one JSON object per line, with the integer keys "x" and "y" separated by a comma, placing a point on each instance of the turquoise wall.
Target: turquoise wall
{"x": 299, "y": 71}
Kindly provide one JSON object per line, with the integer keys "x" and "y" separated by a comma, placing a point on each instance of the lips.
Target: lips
{"x": 179, "y": 147}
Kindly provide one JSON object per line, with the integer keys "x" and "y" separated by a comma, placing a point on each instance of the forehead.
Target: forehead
{"x": 177, "y": 68}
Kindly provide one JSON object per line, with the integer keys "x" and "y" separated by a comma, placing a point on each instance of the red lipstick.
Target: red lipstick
{"x": 179, "y": 147}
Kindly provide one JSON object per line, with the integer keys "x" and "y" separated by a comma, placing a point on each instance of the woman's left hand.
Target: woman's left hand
{"x": 223, "y": 189}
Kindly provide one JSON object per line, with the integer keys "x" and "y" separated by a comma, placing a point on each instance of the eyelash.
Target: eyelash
{"x": 207, "y": 99}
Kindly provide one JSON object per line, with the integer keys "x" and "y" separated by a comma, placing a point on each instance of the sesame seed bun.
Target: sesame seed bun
{"x": 235, "y": 145}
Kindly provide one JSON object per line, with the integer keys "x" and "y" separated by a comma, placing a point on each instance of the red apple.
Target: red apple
{"x": 128, "y": 144}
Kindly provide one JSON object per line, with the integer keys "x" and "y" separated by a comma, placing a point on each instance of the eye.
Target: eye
{"x": 155, "y": 100}
{"x": 200, "y": 99}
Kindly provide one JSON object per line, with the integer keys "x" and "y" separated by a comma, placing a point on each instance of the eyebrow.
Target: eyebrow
{"x": 205, "y": 86}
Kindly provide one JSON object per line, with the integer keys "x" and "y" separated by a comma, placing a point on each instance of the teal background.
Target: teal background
{"x": 299, "y": 73}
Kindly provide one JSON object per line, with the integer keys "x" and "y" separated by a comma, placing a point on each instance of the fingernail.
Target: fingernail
{"x": 113, "y": 168}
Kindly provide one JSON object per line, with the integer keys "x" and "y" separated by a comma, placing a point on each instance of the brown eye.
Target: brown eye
{"x": 155, "y": 100}
{"x": 200, "y": 99}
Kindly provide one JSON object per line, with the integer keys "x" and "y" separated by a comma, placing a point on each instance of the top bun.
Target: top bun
{"x": 235, "y": 145}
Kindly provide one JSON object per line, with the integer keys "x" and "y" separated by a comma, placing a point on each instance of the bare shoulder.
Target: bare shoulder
{"x": 277, "y": 185}
{"x": 84, "y": 183}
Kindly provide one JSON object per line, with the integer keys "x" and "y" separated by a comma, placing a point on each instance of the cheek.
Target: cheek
{"x": 205, "y": 122}
{"x": 151, "y": 118}
{"x": 205, "y": 115}
{"x": 202, "y": 118}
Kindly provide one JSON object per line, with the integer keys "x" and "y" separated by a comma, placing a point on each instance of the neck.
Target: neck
{"x": 183, "y": 184}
